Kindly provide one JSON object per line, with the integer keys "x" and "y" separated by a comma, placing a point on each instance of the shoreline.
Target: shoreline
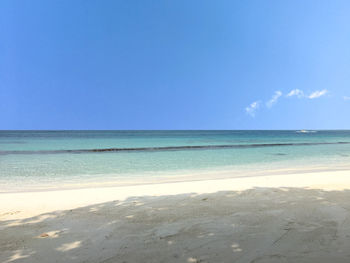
{"x": 169, "y": 178}
{"x": 17, "y": 205}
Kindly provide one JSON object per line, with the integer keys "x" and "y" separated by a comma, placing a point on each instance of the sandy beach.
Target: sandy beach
{"x": 174, "y": 131}
{"x": 277, "y": 218}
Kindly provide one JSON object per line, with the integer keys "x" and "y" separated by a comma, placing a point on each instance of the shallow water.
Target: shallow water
{"x": 28, "y": 158}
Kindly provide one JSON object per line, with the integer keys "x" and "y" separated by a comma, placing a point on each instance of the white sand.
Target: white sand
{"x": 279, "y": 218}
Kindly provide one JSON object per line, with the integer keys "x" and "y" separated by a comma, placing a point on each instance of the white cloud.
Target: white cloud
{"x": 317, "y": 94}
{"x": 300, "y": 94}
{"x": 274, "y": 99}
{"x": 296, "y": 92}
{"x": 346, "y": 98}
{"x": 251, "y": 109}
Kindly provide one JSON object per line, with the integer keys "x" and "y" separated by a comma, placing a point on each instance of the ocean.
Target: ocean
{"x": 31, "y": 160}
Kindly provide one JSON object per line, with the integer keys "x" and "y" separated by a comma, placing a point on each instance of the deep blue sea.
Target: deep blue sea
{"x": 79, "y": 158}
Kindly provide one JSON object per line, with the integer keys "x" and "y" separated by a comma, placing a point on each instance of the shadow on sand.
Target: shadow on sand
{"x": 257, "y": 225}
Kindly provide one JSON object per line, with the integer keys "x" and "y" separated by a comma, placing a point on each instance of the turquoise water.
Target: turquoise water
{"x": 78, "y": 157}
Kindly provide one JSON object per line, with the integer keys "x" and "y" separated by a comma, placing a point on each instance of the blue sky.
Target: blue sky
{"x": 174, "y": 64}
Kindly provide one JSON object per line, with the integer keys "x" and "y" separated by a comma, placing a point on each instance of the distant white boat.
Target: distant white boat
{"x": 305, "y": 131}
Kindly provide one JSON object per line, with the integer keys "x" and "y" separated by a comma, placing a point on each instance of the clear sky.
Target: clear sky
{"x": 174, "y": 64}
